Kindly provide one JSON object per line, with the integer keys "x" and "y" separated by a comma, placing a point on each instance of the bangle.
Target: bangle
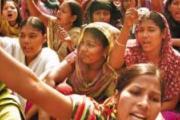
{"x": 119, "y": 44}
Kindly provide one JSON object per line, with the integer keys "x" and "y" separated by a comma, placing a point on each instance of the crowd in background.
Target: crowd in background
{"x": 87, "y": 47}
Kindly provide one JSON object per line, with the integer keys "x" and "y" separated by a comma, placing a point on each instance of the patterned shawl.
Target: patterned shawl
{"x": 169, "y": 63}
{"x": 103, "y": 85}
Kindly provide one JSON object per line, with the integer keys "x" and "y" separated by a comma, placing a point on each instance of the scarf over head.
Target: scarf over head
{"x": 106, "y": 78}
{"x": 169, "y": 62}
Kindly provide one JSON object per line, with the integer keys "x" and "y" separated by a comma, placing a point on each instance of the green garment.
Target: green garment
{"x": 9, "y": 108}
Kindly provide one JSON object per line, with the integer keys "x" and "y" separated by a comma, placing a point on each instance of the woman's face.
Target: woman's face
{"x": 149, "y": 36}
{"x": 64, "y": 15}
{"x": 90, "y": 49}
{"x": 174, "y": 9}
{"x": 9, "y": 11}
{"x": 31, "y": 41}
{"x": 141, "y": 99}
{"x": 101, "y": 15}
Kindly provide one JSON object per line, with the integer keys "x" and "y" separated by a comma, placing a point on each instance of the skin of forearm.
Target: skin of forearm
{"x": 122, "y": 40}
{"x": 32, "y": 88}
{"x": 176, "y": 42}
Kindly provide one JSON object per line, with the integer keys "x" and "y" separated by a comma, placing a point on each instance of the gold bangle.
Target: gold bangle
{"x": 119, "y": 44}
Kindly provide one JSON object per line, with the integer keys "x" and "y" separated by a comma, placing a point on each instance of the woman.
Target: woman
{"x": 64, "y": 29}
{"x": 140, "y": 89}
{"x": 171, "y": 13}
{"x": 103, "y": 11}
{"x": 10, "y": 18}
{"x": 29, "y": 48}
{"x": 153, "y": 44}
{"x": 92, "y": 69}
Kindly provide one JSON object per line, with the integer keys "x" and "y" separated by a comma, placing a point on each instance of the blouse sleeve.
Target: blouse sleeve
{"x": 83, "y": 108}
{"x": 86, "y": 108}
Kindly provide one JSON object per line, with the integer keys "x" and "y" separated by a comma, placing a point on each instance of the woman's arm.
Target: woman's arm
{"x": 62, "y": 71}
{"x": 116, "y": 59}
{"x": 170, "y": 104}
{"x": 176, "y": 42}
{"x": 35, "y": 11}
{"x": 20, "y": 79}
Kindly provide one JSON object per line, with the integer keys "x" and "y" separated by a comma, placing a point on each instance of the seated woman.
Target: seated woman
{"x": 10, "y": 18}
{"x": 138, "y": 97}
{"x": 154, "y": 44}
{"x": 92, "y": 69}
{"x": 64, "y": 29}
{"x": 10, "y": 108}
{"x": 29, "y": 48}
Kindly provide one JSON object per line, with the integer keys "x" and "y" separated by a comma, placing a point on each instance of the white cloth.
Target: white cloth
{"x": 46, "y": 60}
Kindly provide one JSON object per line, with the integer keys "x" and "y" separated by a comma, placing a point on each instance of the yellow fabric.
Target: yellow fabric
{"x": 9, "y": 107}
{"x": 56, "y": 44}
{"x": 104, "y": 83}
{"x": 108, "y": 30}
{"x": 8, "y": 30}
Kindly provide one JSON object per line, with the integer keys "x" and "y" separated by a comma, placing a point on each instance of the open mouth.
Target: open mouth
{"x": 10, "y": 15}
{"x": 137, "y": 116}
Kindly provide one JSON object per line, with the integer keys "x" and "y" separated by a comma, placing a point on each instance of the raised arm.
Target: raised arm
{"x": 116, "y": 59}
{"x": 22, "y": 80}
{"x": 176, "y": 42}
{"x": 35, "y": 11}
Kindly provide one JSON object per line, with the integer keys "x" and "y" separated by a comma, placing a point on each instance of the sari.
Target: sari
{"x": 169, "y": 63}
{"x": 104, "y": 83}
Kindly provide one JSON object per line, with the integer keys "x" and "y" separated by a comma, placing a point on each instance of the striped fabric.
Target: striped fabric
{"x": 85, "y": 108}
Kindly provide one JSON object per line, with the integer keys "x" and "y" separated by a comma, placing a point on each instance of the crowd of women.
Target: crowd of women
{"x": 90, "y": 60}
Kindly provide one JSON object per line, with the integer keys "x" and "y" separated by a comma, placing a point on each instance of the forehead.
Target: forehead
{"x": 89, "y": 36}
{"x": 29, "y": 28}
{"x": 147, "y": 82}
{"x": 9, "y": 3}
{"x": 147, "y": 22}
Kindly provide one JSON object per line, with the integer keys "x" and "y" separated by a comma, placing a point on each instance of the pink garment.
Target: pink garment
{"x": 168, "y": 115}
{"x": 64, "y": 88}
{"x": 169, "y": 63}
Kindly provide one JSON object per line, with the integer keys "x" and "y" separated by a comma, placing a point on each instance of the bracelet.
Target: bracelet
{"x": 119, "y": 44}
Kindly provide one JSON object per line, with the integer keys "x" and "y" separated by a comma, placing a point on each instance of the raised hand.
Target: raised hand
{"x": 61, "y": 33}
{"x": 131, "y": 17}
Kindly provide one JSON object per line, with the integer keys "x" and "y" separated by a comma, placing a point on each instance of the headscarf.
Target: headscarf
{"x": 104, "y": 83}
{"x": 169, "y": 63}
{"x": 108, "y": 30}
